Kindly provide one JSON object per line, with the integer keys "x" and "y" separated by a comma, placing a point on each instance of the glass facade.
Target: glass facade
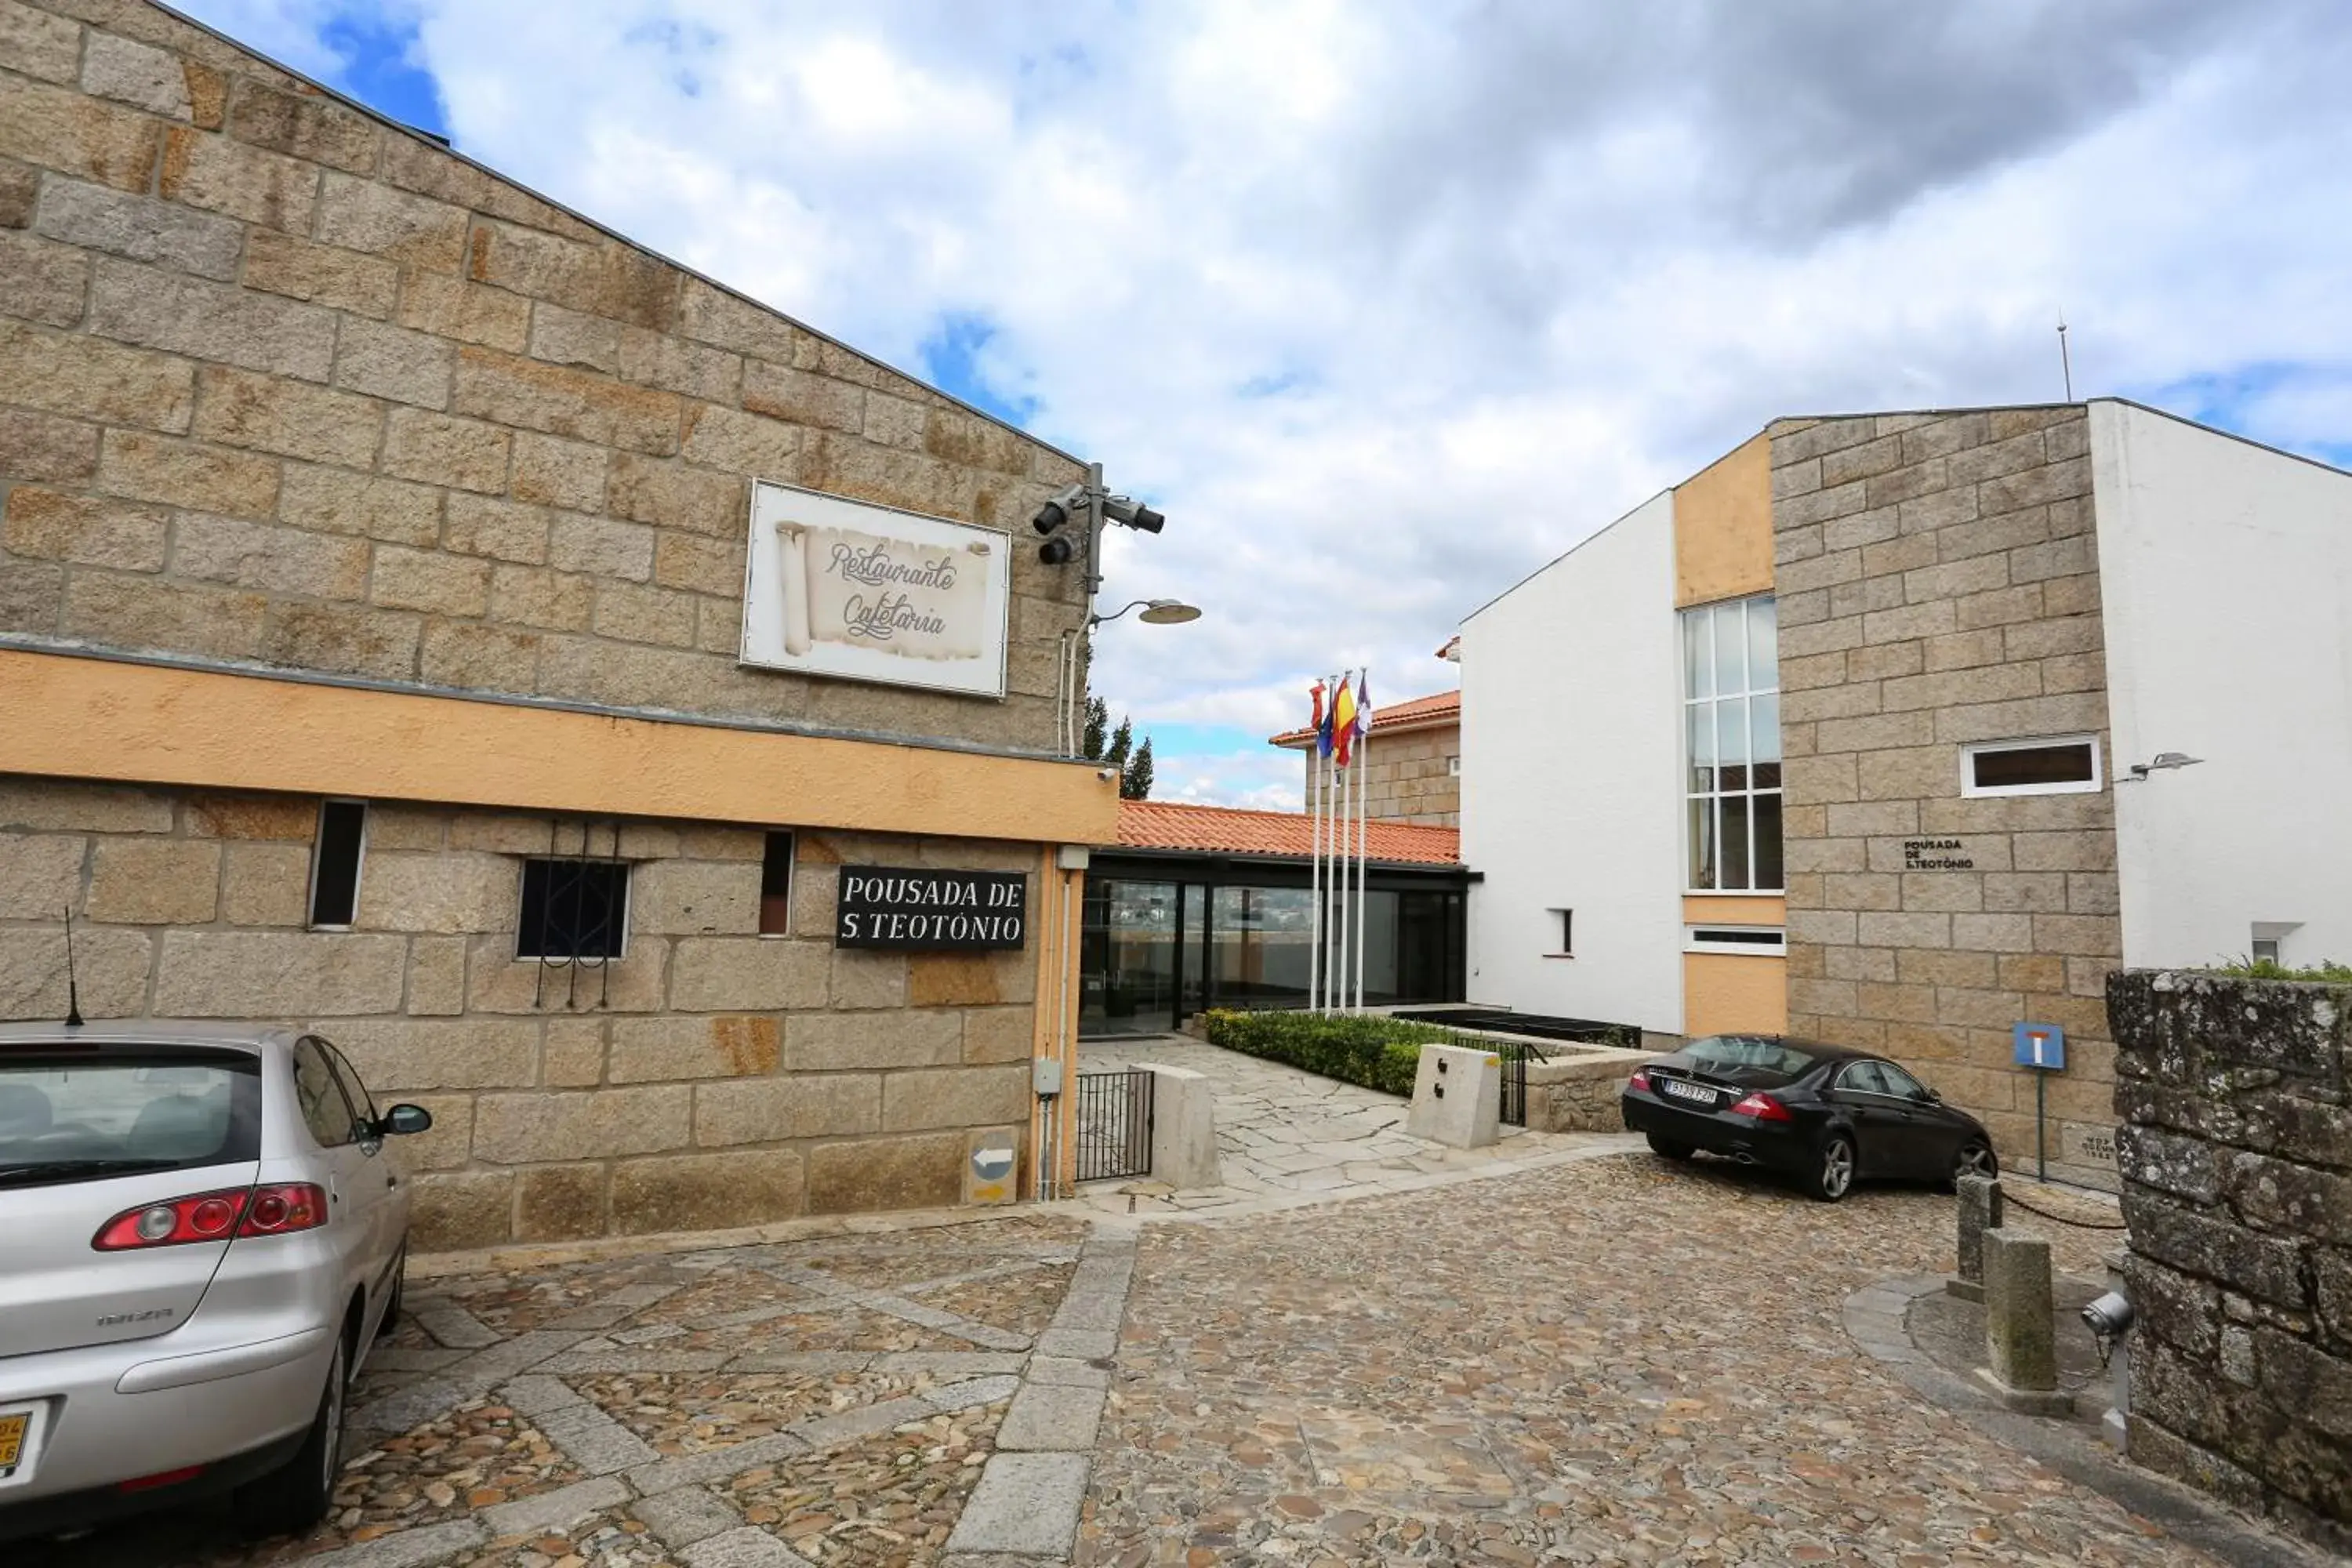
{"x": 1731, "y": 747}
{"x": 1160, "y": 942}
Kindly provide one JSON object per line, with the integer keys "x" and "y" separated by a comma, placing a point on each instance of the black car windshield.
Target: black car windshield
{"x": 70, "y": 1114}
{"x": 1749, "y": 1052}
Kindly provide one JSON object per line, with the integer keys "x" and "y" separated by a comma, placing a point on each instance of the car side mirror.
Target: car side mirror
{"x": 1928, "y": 1096}
{"x": 402, "y": 1120}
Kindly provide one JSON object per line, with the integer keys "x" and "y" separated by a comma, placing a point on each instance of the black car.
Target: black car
{"x": 1821, "y": 1114}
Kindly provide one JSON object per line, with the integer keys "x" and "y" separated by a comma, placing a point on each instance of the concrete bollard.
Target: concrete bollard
{"x": 1979, "y": 1210}
{"x": 2021, "y": 1327}
{"x": 1457, "y": 1096}
{"x": 1183, "y": 1129}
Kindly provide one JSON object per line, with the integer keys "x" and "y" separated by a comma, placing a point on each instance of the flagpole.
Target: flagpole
{"x": 1363, "y": 845}
{"x": 1314, "y": 859}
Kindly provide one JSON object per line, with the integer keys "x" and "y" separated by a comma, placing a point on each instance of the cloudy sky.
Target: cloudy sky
{"x": 1387, "y": 303}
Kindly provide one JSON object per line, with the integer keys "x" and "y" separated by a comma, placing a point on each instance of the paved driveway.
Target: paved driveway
{"x": 1612, "y": 1362}
{"x": 826, "y": 1402}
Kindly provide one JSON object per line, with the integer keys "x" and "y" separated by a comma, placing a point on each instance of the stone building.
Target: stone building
{"x": 1411, "y": 771}
{"x": 373, "y": 657}
{"x": 1901, "y": 731}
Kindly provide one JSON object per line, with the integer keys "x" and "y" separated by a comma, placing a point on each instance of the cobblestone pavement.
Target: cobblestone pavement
{"x": 1616, "y": 1361}
{"x": 1287, "y": 1138}
{"x": 833, "y": 1400}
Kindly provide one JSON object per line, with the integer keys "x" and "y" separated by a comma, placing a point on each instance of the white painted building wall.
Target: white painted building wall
{"x": 1570, "y": 786}
{"x": 2226, "y": 578}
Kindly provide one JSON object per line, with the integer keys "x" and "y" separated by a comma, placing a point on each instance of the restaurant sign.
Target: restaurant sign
{"x": 915, "y": 910}
{"x": 868, "y": 593}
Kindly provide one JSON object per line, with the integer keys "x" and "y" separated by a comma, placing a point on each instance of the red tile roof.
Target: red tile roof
{"x": 1416, "y": 713}
{"x": 1223, "y": 830}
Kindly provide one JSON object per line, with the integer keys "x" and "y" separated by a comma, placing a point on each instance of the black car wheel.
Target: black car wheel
{"x": 297, "y": 1495}
{"x": 1667, "y": 1148}
{"x": 1976, "y": 1158}
{"x": 1832, "y": 1173}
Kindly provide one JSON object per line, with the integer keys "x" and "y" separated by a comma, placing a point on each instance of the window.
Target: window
{"x": 363, "y": 1103}
{"x": 1767, "y": 941}
{"x": 1454, "y": 766}
{"x": 335, "y": 862}
{"x": 1567, "y": 933}
{"x": 2066, "y": 765}
{"x": 1901, "y": 1084}
{"x": 1862, "y": 1078}
{"x": 574, "y": 909}
{"x": 1731, "y": 747}
{"x": 776, "y": 885}
{"x": 320, "y": 1101}
{"x": 2266, "y": 950}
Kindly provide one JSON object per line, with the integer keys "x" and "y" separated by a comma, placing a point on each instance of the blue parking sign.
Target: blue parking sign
{"x": 2042, "y": 1046}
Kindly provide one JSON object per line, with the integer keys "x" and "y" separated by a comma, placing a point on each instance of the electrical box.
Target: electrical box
{"x": 1074, "y": 856}
{"x": 1046, "y": 1077}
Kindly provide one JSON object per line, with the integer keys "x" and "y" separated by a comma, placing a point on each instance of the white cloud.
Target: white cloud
{"x": 1386, "y": 304}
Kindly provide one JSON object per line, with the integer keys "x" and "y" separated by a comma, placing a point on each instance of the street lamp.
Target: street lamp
{"x": 1158, "y": 612}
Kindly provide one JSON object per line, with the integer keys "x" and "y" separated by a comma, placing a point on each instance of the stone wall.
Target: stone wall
{"x": 713, "y": 1076}
{"x": 282, "y": 382}
{"x": 1408, "y": 777}
{"x": 1937, "y": 581}
{"x": 1580, "y": 1093}
{"x": 2236, "y": 1152}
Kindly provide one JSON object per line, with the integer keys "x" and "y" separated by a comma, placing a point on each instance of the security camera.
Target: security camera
{"x": 1106, "y": 775}
{"x": 2109, "y": 1316}
{"x": 1130, "y": 513}
{"x": 1058, "y": 510}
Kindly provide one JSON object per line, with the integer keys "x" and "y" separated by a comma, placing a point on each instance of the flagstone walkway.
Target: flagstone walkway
{"x": 1287, "y": 1138}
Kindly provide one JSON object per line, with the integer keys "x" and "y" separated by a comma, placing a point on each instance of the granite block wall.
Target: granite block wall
{"x": 1938, "y": 583}
{"x": 2236, "y": 1153}
{"x": 711, "y": 1076}
{"x": 1408, "y": 777}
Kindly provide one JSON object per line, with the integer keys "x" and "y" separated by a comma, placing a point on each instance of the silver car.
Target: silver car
{"x": 201, "y": 1233}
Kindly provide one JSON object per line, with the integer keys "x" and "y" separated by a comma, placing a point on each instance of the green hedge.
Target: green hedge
{"x": 1376, "y": 1052}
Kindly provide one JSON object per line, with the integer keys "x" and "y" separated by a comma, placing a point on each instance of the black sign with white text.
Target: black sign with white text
{"x": 913, "y": 908}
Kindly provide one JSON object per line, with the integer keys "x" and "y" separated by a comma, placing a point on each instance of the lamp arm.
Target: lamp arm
{"x": 1101, "y": 620}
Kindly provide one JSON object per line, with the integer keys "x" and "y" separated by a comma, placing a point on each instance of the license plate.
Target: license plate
{"x": 1689, "y": 1091}
{"x": 11, "y": 1439}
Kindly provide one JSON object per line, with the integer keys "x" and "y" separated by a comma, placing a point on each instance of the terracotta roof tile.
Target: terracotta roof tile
{"x": 1223, "y": 830}
{"x": 1418, "y": 712}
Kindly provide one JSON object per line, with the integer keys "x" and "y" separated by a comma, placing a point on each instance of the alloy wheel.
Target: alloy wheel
{"x": 1976, "y": 1160}
{"x": 1837, "y": 1168}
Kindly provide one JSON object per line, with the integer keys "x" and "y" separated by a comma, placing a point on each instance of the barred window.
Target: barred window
{"x": 1731, "y": 747}
{"x": 574, "y": 909}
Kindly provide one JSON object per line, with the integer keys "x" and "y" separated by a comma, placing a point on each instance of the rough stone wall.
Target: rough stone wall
{"x": 721, "y": 1079}
{"x": 2236, "y": 1152}
{"x": 1578, "y": 1094}
{"x": 1407, "y": 778}
{"x": 280, "y": 382}
{"x": 1937, "y": 581}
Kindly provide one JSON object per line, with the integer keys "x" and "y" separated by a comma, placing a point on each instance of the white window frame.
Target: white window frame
{"x": 1971, "y": 790}
{"x": 1454, "y": 766}
{"x": 1698, "y": 938}
{"x": 1682, "y": 796}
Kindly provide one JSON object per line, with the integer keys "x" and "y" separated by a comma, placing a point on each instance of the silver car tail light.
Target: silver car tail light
{"x": 273, "y": 1210}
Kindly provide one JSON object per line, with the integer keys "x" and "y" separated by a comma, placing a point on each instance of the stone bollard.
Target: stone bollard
{"x": 1183, "y": 1129}
{"x": 2021, "y": 1327}
{"x": 1980, "y": 1211}
{"x": 1457, "y": 1096}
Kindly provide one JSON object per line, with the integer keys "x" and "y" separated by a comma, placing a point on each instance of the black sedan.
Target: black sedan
{"x": 1821, "y": 1114}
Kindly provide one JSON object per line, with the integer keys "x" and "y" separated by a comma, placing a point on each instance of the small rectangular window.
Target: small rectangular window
{"x": 1749, "y": 940}
{"x": 1454, "y": 767}
{"x": 2266, "y": 950}
{"x": 776, "y": 885}
{"x": 1567, "y": 933}
{"x": 2068, "y": 764}
{"x": 335, "y": 855}
{"x": 574, "y": 909}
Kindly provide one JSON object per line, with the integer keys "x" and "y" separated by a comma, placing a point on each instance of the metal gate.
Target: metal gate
{"x": 1113, "y": 1125}
{"x": 1515, "y": 1057}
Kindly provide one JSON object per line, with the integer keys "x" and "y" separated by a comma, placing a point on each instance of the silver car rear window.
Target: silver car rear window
{"x": 88, "y": 1114}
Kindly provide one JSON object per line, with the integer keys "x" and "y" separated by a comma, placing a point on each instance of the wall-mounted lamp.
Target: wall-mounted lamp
{"x": 2162, "y": 761}
{"x": 1158, "y": 612}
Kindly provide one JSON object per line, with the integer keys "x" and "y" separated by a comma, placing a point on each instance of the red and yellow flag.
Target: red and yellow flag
{"x": 1343, "y": 721}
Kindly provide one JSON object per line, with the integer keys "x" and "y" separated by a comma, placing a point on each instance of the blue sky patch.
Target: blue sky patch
{"x": 383, "y": 68}
{"x": 952, "y": 362}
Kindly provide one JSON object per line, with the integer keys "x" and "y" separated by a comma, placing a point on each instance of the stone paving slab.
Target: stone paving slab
{"x": 1614, "y": 1361}
{"x": 1026, "y": 1505}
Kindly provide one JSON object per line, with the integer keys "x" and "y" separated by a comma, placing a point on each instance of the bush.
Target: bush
{"x": 1377, "y": 1052}
{"x": 2272, "y": 969}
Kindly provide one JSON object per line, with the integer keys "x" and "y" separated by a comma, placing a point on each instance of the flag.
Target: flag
{"x": 1327, "y": 727}
{"x": 1364, "y": 703}
{"x": 1343, "y": 722}
{"x": 1315, "y": 724}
